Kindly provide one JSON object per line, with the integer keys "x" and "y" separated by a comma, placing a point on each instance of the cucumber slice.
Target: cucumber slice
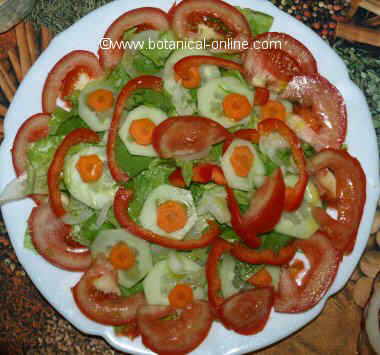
{"x": 97, "y": 121}
{"x": 181, "y": 97}
{"x": 107, "y": 239}
{"x": 211, "y": 95}
{"x": 152, "y": 113}
{"x": 161, "y": 194}
{"x": 256, "y": 175}
{"x": 227, "y": 275}
{"x": 163, "y": 278}
{"x": 94, "y": 194}
{"x": 300, "y": 223}
{"x": 274, "y": 272}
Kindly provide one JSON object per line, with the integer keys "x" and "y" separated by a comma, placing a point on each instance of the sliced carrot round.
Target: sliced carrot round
{"x": 273, "y": 109}
{"x": 236, "y": 106}
{"x": 261, "y": 278}
{"x": 181, "y": 296}
{"x": 141, "y": 131}
{"x": 90, "y": 168}
{"x": 241, "y": 160}
{"x": 122, "y": 256}
{"x": 100, "y": 100}
{"x": 171, "y": 216}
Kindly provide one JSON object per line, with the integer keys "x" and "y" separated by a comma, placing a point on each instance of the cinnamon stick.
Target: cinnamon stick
{"x": 373, "y": 21}
{"x": 13, "y": 57}
{"x": 23, "y": 48}
{"x": 358, "y": 34}
{"x": 46, "y": 37}
{"x": 7, "y": 77}
{"x": 31, "y": 39}
{"x": 3, "y": 110}
{"x": 6, "y": 88}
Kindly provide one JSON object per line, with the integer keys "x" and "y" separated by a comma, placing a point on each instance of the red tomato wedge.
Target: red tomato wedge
{"x": 188, "y": 14}
{"x": 264, "y": 212}
{"x": 142, "y": 19}
{"x": 219, "y": 247}
{"x": 324, "y": 262}
{"x": 327, "y": 106}
{"x": 141, "y": 82}
{"x": 101, "y": 307}
{"x": 80, "y": 135}
{"x": 350, "y": 197}
{"x": 276, "y": 65}
{"x": 174, "y": 336}
{"x": 84, "y": 60}
{"x": 121, "y": 203}
{"x": 293, "y": 195}
{"x": 33, "y": 129}
{"x": 187, "y": 137}
{"x": 247, "y": 312}
{"x": 49, "y": 236}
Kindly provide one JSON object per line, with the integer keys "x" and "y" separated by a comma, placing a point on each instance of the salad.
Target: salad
{"x": 190, "y": 185}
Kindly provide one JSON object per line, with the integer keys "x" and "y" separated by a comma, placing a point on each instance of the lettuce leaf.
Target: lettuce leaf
{"x": 258, "y": 21}
{"x": 159, "y": 55}
{"x": 153, "y": 98}
{"x": 118, "y": 77}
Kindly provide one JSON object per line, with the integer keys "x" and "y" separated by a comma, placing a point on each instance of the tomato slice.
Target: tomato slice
{"x": 187, "y": 137}
{"x": 293, "y": 195}
{"x": 327, "y": 106}
{"x": 121, "y": 203}
{"x": 80, "y": 135}
{"x": 324, "y": 262}
{"x": 276, "y": 66}
{"x": 105, "y": 308}
{"x": 174, "y": 336}
{"x": 54, "y": 83}
{"x": 49, "y": 235}
{"x": 350, "y": 197}
{"x": 214, "y": 284}
{"x": 247, "y": 312}
{"x": 264, "y": 211}
{"x": 264, "y": 256}
{"x": 142, "y": 18}
{"x": 224, "y": 19}
{"x": 33, "y": 129}
{"x": 141, "y": 82}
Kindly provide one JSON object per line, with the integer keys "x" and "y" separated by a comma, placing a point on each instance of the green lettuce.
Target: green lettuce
{"x": 118, "y": 77}
{"x": 153, "y": 98}
{"x": 62, "y": 122}
{"x": 258, "y": 21}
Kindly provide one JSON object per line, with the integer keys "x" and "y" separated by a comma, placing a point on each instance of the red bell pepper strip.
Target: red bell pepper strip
{"x": 264, "y": 211}
{"x": 219, "y": 247}
{"x": 248, "y": 134}
{"x": 264, "y": 256}
{"x": 261, "y": 96}
{"x": 80, "y": 135}
{"x": 176, "y": 178}
{"x": 141, "y": 82}
{"x": 187, "y": 69}
{"x": 293, "y": 195}
{"x": 121, "y": 203}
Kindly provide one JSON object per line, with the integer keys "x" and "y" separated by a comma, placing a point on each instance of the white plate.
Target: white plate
{"x": 55, "y": 284}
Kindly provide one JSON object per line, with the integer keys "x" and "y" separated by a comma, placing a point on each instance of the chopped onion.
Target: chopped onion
{"x": 15, "y": 190}
{"x": 77, "y": 219}
{"x": 372, "y": 316}
{"x": 102, "y": 217}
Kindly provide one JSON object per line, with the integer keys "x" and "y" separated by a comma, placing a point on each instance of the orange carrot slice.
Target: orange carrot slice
{"x": 273, "y": 109}
{"x": 90, "y": 168}
{"x": 181, "y": 296}
{"x": 171, "y": 216}
{"x": 241, "y": 160}
{"x": 122, "y": 256}
{"x": 100, "y": 100}
{"x": 236, "y": 106}
{"x": 141, "y": 131}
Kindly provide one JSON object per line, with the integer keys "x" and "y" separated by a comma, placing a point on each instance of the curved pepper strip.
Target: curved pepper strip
{"x": 248, "y": 134}
{"x": 121, "y": 203}
{"x": 264, "y": 256}
{"x": 293, "y": 195}
{"x": 80, "y": 135}
{"x": 141, "y": 82}
{"x": 212, "y": 272}
{"x": 187, "y": 69}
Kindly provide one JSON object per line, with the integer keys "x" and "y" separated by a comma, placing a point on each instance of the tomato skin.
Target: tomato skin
{"x": 178, "y": 336}
{"x": 121, "y": 203}
{"x": 49, "y": 235}
{"x": 350, "y": 197}
{"x": 108, "y": 309}
{"x": 293, "y": 195}
{"x": 69, "y": 82}
{"x": 265, "y": 209}
{"x": 324, "y": 262}
{"x": 327, "y": 106}
{"x": 187, "y": 137}
{"x": 219, "y": 247}
{"x": 278, "y": 65}
{"x": 231, "y": 17}
{"x": 257, "y": 303}
{"x": 141, "y": 82}
{"x": 143, "y": 18}
{"x": 80, "y": 135}
{"x": 55, "y": 79}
